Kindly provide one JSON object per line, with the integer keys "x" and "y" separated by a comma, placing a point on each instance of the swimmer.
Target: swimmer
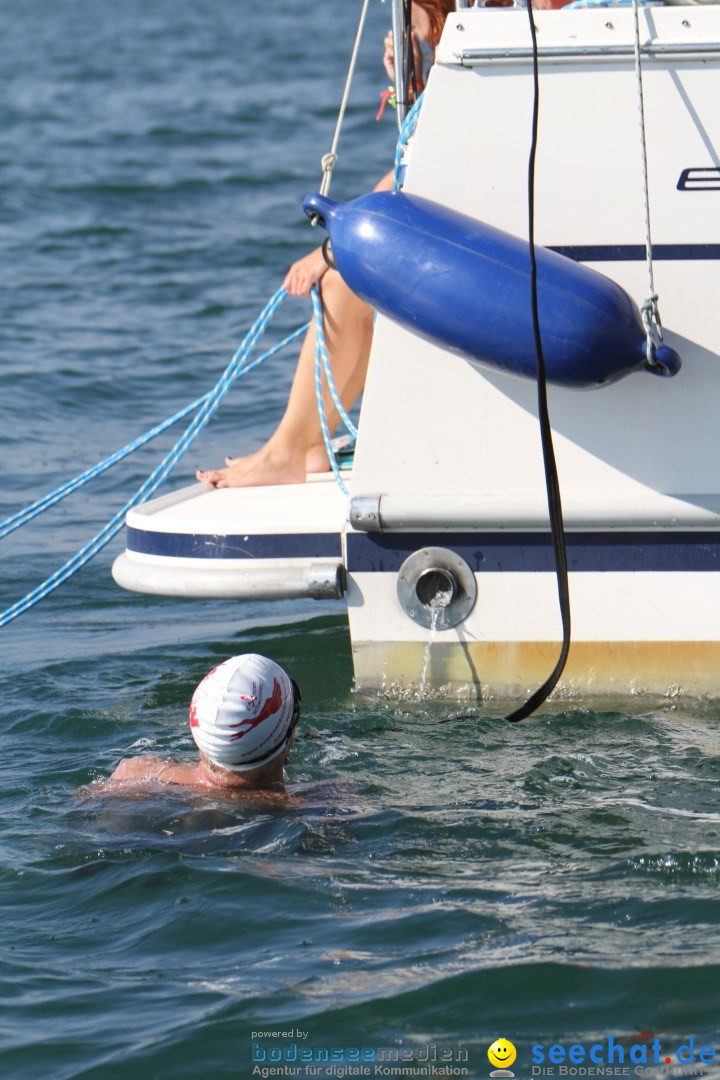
{"x": 243, "y": 717}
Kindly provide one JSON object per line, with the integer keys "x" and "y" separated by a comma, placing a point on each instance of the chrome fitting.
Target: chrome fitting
{"x": 326, "y": 581}
{"x": 436, "y": 588}
{"x": 365, "y": 513}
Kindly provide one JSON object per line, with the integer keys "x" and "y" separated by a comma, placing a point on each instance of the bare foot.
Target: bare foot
{"x": 239, "y": 466}
{"x": 257, "y": 470}
{"x": 316, "y": 460}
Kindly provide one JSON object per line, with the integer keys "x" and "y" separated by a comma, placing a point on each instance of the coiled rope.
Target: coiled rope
{"x": 206, "y": 406}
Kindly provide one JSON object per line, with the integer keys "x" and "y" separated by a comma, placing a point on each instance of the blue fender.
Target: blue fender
{"x": 465, "y": 286}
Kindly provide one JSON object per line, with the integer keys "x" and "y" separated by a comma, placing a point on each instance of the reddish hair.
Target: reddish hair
{"x": 437, "y": 12}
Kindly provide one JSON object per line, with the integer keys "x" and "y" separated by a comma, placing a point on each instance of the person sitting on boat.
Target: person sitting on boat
{"x": 297, "y": 447}
{"x": 243, "y": 717}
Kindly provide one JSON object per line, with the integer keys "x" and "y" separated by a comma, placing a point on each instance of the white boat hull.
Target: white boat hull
{"x": 253, "y": 543}
{"x": 449, "y": 457}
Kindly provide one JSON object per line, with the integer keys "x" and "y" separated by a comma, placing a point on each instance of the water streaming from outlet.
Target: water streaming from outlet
{"x": 437, "y": 605}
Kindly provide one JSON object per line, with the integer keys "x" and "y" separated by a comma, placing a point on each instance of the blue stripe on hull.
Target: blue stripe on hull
{"x": 509, "y": 552}
{"x": 636, "y": 252}
{"x": 211, "y": 546}
{"x": 485, "y": 552}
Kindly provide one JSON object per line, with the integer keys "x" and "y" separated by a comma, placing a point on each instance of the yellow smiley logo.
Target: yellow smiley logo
{"x": 502, "y": 1053}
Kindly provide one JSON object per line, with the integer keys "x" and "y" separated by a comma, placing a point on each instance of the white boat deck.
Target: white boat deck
{"x": 315, "y": 506}
{"x": 260, "y": 542}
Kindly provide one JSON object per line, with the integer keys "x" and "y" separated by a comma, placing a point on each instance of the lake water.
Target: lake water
{"x": 438, "y": 878}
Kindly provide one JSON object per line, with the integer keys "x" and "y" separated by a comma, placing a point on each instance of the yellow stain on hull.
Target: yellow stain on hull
{"x": 513, "y": 669}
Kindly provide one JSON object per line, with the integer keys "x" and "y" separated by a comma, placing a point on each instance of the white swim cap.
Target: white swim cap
{"x": 243, "y": 713}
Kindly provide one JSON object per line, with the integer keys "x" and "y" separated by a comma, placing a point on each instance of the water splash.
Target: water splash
{"x": 437, "y": 605}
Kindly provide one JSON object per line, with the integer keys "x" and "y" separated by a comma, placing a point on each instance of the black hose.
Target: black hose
{"x": 552, "y": 485}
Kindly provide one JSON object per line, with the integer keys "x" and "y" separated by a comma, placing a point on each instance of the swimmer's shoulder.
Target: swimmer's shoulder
{"x": 150, "y": 767}
{"x": 144, "y": 770}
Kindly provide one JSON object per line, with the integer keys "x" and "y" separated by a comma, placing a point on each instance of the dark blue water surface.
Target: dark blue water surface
{"x": 436, "y": 879}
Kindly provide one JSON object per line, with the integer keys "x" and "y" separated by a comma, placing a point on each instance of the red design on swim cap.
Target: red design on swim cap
{"x": 272, "y": 705}
{"x": 192, "y": 714}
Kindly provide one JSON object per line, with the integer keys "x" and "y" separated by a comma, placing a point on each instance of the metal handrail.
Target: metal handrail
{"x": 469, "y": 57}
{"x": 399, "y": 57}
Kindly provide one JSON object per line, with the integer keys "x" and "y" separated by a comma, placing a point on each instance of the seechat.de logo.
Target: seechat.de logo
{"x": 501, "y": 1054}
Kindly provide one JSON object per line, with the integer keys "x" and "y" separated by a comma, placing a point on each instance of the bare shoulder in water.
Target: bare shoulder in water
{"x": 138, "y": 776}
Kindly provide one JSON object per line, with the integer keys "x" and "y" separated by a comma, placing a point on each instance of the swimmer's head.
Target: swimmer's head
{"x": 243, "y": 715}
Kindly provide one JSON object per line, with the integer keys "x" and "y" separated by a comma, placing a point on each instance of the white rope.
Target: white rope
{"x": 649, "y": 308}
{"x": 329, "y": 160}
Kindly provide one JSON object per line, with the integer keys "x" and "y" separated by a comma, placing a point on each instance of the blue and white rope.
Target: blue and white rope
{"x": 321, "y": 348}
{"x": 46, "y": 501}
{"x": 34, "y": 509}
{"x": 238, "y": 366}
{"x": 322, "y": 363}
{"x": 406, "y": 133}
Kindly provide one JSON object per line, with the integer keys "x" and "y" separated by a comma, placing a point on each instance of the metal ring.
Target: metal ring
{"x": 327, "y": 253}
{"x": 451, "y": 575}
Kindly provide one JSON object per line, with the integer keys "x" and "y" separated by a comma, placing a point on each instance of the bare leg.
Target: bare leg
{"x": 297, "y": 443}
{"x": 348, "y": 324}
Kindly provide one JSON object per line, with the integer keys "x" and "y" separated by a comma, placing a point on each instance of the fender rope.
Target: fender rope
{"x": 329, "y": 160}
{"x": 649, "y": 309}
